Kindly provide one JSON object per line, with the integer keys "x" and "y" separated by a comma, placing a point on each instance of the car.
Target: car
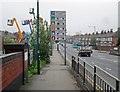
{"x": 85, "y": 51}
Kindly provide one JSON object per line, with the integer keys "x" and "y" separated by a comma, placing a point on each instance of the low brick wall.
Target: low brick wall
{"x": 12, "y": 71}
{"x": 104, "y": 48}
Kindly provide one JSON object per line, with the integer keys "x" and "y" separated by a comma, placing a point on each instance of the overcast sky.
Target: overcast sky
{"x": 80, "y": 13}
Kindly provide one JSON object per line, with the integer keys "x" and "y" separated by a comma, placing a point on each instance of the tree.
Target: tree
{"x": 93, "y": 41}
{"x": 45, "y": 38}
{"x": 118, "y": 42}
{"x": 8, "y": 40}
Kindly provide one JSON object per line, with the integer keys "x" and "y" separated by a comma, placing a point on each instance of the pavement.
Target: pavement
{"x": 54, "y": 76}
{"x": 100, "y": 51}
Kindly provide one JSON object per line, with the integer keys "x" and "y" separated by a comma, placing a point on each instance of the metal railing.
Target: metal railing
{"x": 94, "y": 78}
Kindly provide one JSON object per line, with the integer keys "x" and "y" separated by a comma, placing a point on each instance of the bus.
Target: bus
{"x": 76, "y": 44}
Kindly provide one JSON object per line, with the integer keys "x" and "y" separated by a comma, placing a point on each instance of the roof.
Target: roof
{"x": 8, "y": 34}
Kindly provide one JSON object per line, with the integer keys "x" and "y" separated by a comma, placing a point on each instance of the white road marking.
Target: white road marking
{"x": 115, "y": 61}
{"x": 108, "y": 68}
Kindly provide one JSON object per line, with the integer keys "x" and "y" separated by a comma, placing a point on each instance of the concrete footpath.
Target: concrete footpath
{"x": 54, "y": 76}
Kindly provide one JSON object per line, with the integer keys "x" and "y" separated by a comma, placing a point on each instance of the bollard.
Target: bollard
{"x": 72, "y": 60}
{"x": 74, "y": 63}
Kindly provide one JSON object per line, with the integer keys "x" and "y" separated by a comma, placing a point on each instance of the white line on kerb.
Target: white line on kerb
{"x": 108, "y": 68}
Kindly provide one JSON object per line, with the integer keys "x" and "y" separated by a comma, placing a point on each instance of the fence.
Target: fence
{"x": 93, "y": 77}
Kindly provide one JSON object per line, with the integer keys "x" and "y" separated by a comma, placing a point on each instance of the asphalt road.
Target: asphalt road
{"x": 107, "y": 62}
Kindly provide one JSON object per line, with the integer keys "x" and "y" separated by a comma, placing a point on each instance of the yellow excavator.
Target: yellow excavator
{"x": 10, "y": 23}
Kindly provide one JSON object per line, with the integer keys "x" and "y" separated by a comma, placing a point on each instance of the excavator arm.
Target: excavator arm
{"x": 19, "y": 31}
{"x": 10, "y": 23}
{"x": 27, "y": 22}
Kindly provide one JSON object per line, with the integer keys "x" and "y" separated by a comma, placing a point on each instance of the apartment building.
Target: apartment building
{"x": 58, "y": 25}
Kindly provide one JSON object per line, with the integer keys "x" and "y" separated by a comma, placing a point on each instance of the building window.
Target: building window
{"x": 57, "y": 33}
{"x": 52, "y": 17}
{"x": 63, "y": 33}
{"x": 58, "y": 28}
{"x": 63, "y": 18}
{"x": 63, "y": 28}
{"x": 58, "y": 23}
{"x": 52, "y": 27}
{"x": 53, "y": 32}
{"x": 53, "y": 37}
{"x": 53, "y": 22}
{"x": 63, "y": 23}
{"x": 52, "y": 12}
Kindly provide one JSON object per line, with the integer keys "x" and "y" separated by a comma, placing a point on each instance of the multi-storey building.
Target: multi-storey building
{"x": 58, "y": 25}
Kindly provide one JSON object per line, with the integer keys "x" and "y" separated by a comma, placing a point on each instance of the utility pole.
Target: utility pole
{"x": 65, "y": 46}
{"x": 38, "y": 33}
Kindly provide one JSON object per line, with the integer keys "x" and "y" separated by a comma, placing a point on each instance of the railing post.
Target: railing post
{"x": 117, "y": 86}
{"x": 84, "y": 73}
{"x": 78, "y": 66}
{"x": 74, "y": 64}
{"x": 94, "y": 78}
{"x": 72, "y": 61}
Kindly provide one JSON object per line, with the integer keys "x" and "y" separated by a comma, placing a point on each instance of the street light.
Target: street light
{"x": 94, "y": 33}
{"x": 32, "y": 12}
{"x": 65, "y": 46}
{"x": 38, "y": 49}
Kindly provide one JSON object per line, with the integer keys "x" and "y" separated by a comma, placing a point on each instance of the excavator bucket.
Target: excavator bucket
{"x": 10, "y": 22}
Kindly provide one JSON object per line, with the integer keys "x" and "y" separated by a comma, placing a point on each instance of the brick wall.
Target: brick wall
{"x": 115, "y": 40}
{"x": 0, "y": 40}
{"x": 12, "y": 66}
{"x": 104, "y": 48}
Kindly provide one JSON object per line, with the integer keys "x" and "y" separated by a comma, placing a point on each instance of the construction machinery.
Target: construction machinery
{"x": 10, "y": 22}
{"x": 27, "y": 22}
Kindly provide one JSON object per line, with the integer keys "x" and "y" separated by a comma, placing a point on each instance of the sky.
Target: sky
{"x": 80, "y": 14}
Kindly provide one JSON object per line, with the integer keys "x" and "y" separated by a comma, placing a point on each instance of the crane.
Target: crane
{"x": 10, "y": 22}
{"x": 27, "y": 22}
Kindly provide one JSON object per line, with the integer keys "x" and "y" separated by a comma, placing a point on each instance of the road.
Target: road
{"x": 108, "y": 63}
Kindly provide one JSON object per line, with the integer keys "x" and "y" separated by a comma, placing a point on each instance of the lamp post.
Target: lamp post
{"x": 38, "y": 49}
{"x": 65, "y": 46}
{"x": 94, "y": 43}
{"x": 32, "y": 12}
{"x": 35, "y": 42}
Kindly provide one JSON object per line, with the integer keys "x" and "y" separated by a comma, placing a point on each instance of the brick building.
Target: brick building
{"x": 104, "y": 40}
